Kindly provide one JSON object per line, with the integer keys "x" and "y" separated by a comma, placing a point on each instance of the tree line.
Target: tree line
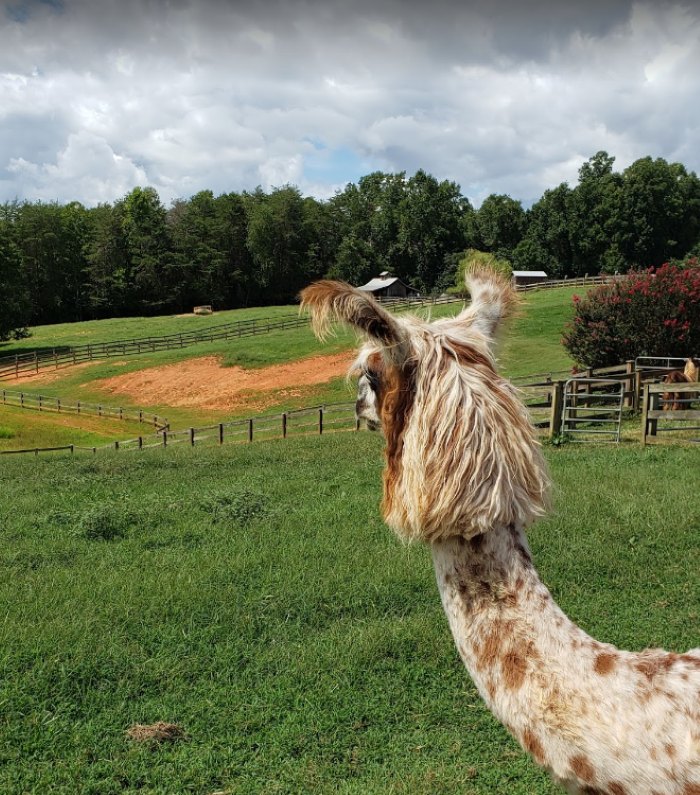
{"x": 61, "y": 263}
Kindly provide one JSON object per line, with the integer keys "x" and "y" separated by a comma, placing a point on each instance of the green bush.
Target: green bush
{"x": 646, "y": 314}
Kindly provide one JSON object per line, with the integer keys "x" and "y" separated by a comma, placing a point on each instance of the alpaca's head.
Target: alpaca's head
{"x": 461, "y": 455}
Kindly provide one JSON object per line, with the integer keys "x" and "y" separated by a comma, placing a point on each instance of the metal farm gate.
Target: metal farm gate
{"x": 592, "y": 407}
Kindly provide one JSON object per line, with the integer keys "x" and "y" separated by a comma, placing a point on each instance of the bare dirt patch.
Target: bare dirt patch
{"x": 160, "y": 732}
{"x": 204, "y": 383}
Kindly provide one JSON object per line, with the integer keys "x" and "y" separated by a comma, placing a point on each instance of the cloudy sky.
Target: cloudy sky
{"x": 506, "y": 96}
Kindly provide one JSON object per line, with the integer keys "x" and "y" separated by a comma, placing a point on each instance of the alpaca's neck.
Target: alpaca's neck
{"x": 520, "y": 649}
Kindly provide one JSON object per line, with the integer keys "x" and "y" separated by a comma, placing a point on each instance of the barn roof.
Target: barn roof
{"x": 383, "y": 281}
{"x": 378, "y": 283}
{"x": 530, "y": 273}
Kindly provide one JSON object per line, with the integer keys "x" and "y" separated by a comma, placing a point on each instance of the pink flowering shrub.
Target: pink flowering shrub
{"x": 646, "y": 314}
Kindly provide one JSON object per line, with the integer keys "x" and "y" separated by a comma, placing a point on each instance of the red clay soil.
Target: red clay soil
{"x": 204, "y": 383}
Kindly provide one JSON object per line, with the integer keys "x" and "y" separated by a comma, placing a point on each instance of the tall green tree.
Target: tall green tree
{"x": 659, "y": 214}
{"x": 108, "y": 288}
{"x": 547, "y": 245}
{"x": 14, "y": 299}
{"x": 431, "y": 227}
{"x": 146, "y": 234}
{"x": 593, "y": 215}
{"x": 278, "y": 242}
{"x": 498, "y": 225}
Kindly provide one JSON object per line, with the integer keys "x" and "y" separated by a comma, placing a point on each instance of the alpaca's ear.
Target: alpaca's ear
{"x": 493, "y": 300}
{"x": 330, "y": 301}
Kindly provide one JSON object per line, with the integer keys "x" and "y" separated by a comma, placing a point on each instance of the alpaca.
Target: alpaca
{"x": 691, "y": 373}
{"x": 464, "y": 473}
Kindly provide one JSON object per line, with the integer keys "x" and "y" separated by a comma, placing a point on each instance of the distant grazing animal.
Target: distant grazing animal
{"x": 464, "y": 473}
{"x": 690, "y": 374}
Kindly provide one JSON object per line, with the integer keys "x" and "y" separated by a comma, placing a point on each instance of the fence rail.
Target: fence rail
{"x": 34, "y": 402}
{"x": 14, "y": 366}
{"x": 313, "y": 420}
{"x": 670, "y": 403}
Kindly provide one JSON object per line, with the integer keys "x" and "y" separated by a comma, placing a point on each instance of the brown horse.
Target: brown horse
{"x": 690, "y": 374}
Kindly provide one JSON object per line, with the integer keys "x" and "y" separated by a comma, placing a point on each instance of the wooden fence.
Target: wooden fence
{"x": 659, "y": 414}
{"x": 16, "y": 365}
{"x": 23, "y": 364}
{"x": 59, "y": 405}
{"x": 313, "y": 420}
{"x": 542, "y": 393}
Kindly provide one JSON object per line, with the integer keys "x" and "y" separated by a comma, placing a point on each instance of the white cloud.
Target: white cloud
{"x": 191, "y": 95}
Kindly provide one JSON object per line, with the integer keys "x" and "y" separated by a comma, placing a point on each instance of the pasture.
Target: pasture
{"x": 531, "y": 345}
{"x": 253, "y": 596}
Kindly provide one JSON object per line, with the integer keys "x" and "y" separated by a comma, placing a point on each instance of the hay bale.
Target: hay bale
{"x": 205, "y": 309}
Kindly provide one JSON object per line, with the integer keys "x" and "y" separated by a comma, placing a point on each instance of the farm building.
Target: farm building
{"x": 387, "y": 286}
{"x": 528, "y": 277}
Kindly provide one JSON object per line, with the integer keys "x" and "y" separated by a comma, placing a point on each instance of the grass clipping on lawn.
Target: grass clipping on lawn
{"x": 160, "y": 732}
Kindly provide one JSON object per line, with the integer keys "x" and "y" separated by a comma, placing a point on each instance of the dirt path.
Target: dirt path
{"x": 204, "y": 383}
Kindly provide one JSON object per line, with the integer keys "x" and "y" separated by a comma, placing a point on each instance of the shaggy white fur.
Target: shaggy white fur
{"x": 465, "y": 473}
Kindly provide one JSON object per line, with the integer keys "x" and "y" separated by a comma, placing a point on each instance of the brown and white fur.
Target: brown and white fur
{"x": 465, "y": 473}
{"x": 677, "y": 401}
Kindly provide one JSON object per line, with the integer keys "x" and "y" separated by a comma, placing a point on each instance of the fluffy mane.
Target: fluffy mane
{"x": 461, "y": 453}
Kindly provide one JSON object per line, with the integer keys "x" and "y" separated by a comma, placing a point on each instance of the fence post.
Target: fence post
{"x": 16, "y": 365}
{"x": 116, "y": 445}
{"x": 72, "y": 449}
{"x": 192, "y": 436}
{"x": 637, "y": 389}
{"x": 630, "y": 383}
{"x": 320, "y": 420}
{"x": 165, "y": 438}
{"x": 221, "y": 433}
{"x": 21, "y": 399}
{"x": 36, "y": 361}
{"x": 40, "y": 402}
{"x": 555, "y": 416}
{"x": 645, "y": 411}
{"x": 250, "y": 429}
{"x": 78, "y": 405}
{"x": 284, "y": 424}
{"x": 140, "y": 442}
{"x": 58, "y": 404}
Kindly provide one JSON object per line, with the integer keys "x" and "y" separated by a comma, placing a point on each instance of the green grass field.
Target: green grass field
{"x": 125, "y": 328}
{"x": 530, "y": 345}
{"x": 252, "y": 595}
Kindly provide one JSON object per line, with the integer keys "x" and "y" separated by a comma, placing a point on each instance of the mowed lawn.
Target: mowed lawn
{"x": 252, "y": 595}
{"x": 531, "y": 344}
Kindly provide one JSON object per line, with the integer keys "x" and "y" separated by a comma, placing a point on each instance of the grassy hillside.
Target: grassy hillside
{"x": 124, "y": 328}
{"x": 531, "y": 344}
{"x": 253, "y": 596}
